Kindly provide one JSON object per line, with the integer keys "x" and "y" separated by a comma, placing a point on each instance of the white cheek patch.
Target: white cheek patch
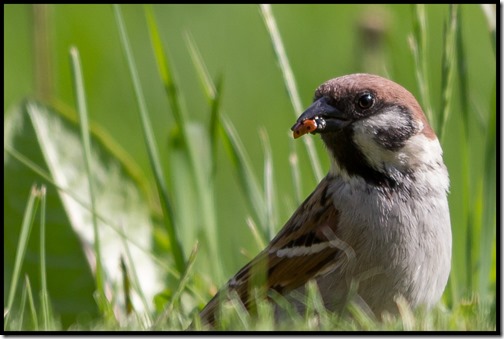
{"x": 366, "y": 133}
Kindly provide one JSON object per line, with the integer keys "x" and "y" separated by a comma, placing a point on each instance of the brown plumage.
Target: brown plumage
{"x": 311, "y": 224}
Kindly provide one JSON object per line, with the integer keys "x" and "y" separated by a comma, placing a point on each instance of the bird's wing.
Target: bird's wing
{"x": 305, "y": 247}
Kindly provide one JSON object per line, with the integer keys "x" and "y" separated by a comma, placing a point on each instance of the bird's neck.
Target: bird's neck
{"x": 418, "y": 163}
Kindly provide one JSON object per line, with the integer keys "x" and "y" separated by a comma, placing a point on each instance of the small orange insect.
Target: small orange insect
{"x": 306, "y": 126}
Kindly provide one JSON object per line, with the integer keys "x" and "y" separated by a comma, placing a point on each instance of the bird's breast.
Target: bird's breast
{"x": 402, "y": 243}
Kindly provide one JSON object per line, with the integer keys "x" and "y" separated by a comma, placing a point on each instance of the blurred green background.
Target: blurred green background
{"x": 321, "y": 41}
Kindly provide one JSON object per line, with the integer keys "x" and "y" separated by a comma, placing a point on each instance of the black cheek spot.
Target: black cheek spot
{"x": 395, "y": 137}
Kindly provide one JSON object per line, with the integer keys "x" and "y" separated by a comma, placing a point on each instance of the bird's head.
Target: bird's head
{"x": 373, "y": 128}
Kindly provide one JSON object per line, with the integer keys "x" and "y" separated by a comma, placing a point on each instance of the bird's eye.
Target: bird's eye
{"x": 365, "y": 101}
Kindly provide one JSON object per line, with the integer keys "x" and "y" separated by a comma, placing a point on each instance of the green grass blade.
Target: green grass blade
{"x": 463, "y": 78}
{"x": 243, "y": 168}
{"x": 489, "y": 189}
{"x": 152, "y": 149}
{"x": 448, "y": 67}
{"x": 214, "y": 124}
{"x": 28, "y": 217}
{"x": 204, "y": 75}
{"x": 452, "y": 44}
{"x": 193, "y": 143}
{"x": 418, "y": 44}
{"x": 166, "y": 71}
{"x": 488, "y": 231}
{"x": 465, "y": 166}
{"x": 269, "y": 185}
{"x": 290, "y": 83}
{"x": 407, "y": 317}
{"x": 213, "y": 95}
{"x": 242, "y": 317}
{"x": 136, "y": 280}
{"x": 232, "y": 143}
{"x": 44, "y": 293}
{"x": 296, "y": 173}
{"x": 31, "y": 303}
{"x": 20, "y": 317}
{"x": 314, "y": 304}
{"x": 86, "y": 144}
{"x": 461, "y": 276}
{"x": 261, "y": 242}
{"x": 180, "y": 288}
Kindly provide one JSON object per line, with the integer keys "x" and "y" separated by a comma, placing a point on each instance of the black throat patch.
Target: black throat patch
{"x": 352, "y": 160}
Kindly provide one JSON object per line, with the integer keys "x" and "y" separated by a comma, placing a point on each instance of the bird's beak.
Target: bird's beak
{"x": 320, "y": 117}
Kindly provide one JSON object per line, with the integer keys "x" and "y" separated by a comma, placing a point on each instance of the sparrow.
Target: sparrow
{"x": 377, "y": 227}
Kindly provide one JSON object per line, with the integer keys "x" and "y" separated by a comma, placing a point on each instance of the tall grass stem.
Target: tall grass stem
{"x": 290, "y": 82}
{"x": 80, "y": 97}
{"x": 28, "y": 217}
{"x": 44, "y": 293}
{"x": 152, "y": 148}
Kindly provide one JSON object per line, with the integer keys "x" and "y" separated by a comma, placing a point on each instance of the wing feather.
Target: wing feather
{"x": 297, "y": 254}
